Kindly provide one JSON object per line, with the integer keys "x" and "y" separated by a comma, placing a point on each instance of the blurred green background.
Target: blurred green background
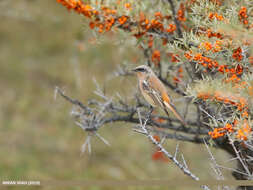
{"x": 42, "y": 45}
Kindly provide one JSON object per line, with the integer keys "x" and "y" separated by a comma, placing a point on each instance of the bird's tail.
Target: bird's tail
{"x": 175, "y": 112}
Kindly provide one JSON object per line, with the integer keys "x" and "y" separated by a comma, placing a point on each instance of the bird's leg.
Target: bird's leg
{"x": 150, "y": 113}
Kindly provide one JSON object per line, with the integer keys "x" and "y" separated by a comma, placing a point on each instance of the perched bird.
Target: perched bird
{"x": 154, "y": 91}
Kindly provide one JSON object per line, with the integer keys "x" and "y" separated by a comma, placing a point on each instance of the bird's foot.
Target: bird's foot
{"x": 149, "y": 115}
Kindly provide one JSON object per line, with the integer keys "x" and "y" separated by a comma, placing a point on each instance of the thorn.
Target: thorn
{"x": 56, "y": 92}
{"x": 102, "y": 139}
{"x": 86, "y": 144}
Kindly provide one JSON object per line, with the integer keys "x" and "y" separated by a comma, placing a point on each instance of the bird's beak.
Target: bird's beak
{"x": 134, "y": 70}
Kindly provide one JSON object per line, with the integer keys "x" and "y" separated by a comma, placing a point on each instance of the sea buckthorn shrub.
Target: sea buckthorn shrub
{"x": 205, "y": 46}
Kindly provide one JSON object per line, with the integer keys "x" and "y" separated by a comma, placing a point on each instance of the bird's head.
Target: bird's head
{"x": 142, "y": 70}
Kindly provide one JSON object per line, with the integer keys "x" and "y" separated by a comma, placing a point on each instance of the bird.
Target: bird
{"x": 154, "y": 91}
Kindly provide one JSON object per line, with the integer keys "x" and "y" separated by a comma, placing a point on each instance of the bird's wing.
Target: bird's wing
{"x": 152, "y": 93}
{"x": 160, "y": 93}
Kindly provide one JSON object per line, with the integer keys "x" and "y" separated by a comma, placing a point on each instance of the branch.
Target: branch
{"x": 197, "y": 140}
{"x": 239, "y": 157}
{"x": 214, "y": 163}
{"x": 182, "y": 167}
{"x": 97, "y": 114}
{"x": 172, "y": 87}
{"x": 72, "y": 101}
{"x": 168, "y": 125}
{"x": 179, "y": 32}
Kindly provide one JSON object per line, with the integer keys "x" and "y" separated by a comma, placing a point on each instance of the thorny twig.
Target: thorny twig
{"x": 239, "y": 157}
{"x": 172, "y": 158}
{"x": 214, "y": 163}
{"x": 88, "y": 119}
{"x": 183, "y": 167}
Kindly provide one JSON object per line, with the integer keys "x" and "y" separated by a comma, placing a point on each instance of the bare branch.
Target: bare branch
{"x": 214, "y": 163}
{"x": 239, "y": 157}
{"x": 74, "y": 102}
{"x": 185, "y": 170}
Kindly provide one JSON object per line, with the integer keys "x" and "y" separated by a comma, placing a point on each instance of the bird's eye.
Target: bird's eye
{"x": 141, "y": 69}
